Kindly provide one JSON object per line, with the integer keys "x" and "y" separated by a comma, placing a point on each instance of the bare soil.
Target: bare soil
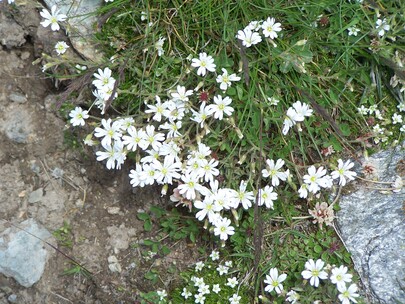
{"x": 97, "y": 205}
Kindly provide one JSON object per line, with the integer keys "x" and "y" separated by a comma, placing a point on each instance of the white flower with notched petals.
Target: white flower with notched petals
{"x": 61, "y": 47}
{"x": 353, "y": 31}
{"x": 232, "y": 282}
{"x": 273, "y": 171}
{"x": 343, "y": 172}
{"x": 293, "y": 297}
{"x": 134, "y": 138}
{"x": 52, "y": 18}
{"x": 340, "y": 277}
{"x": 235, "y": 299}
{"x": 109, "y": 132}
{"x": 158, "y": 109}
{"x": 313, "y": 271}
{"x": 225, "y": 80}
{"x": 190, "y": 186}
{"x": 314, "y": 179}
{"x": 348, "y": 294}
{"x": 396, "y": 119}
{"x": 243, "y": 197}
{"x": 267, "y": 197}
{"x": 274, "y": 281}
{"x": 249, "y": 37}
{"x": 220, "y": 107}
{"x": 382, "y": 27}
{"x": 270, "y": 28}
{"x": 204, "y": 63}
{"x": 104, "y": 80}
{"x": 78, "y": 115}
{"x": 223, "y": 228}
{"x": 186, "y": 294}
{"x": 181, "y": 94}
{"x": 202, "y": 115}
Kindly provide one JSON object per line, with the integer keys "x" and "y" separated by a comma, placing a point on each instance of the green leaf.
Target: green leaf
{"x": 345, "y": 128}
{"x": 166, "y": 250}
{"x": 318, "y": 249}
{"x": 147, "y": 225}
{"x": 157, "y": 211}
{"x": 143, "y": 216}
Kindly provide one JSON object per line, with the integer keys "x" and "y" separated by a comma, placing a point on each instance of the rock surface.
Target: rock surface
{"x": 80, "y": 21}
{"x": 23, "y": 256}
{"x": 372, "y": 225}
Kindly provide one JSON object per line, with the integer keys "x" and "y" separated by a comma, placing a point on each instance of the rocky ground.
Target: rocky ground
{"x": 45, "y": 181}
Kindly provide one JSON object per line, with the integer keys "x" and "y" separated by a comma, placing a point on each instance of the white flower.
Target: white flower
{"x": 158, "y": 109}
{"x": 208, "y": 168}
{"x": 225, "y": 80}
{"x": 235, "y": 299}
{"x": 144, "y": 16}
{"x": 228, "y": 263}
{"x": 223, "y": 228}
{"x": 343, "y": 172}
{"x": 214, "y": 255}
{"x": 254, "y": 25}
{"x": 293, "y": 297}
{"x": 109, "y": 132}
{"x": 274, "y": 281}
{"x": 159, "y": 46}
{"x": 199, "y": 298}
{"x": 198, "y": 281}
{"x": 78, "y": 115}
{"x": 199, "y": 266}
{"x": 167, "y": 171}
{"x": 186, "y": 294}
{"x": 248, "y": 37}
{"x": 314, "y": 179}
{"x": 202, "y": 115}
{"x": 104, "y": 80}
{"x": 220, "y": 106}
{"x": 182, "y": 94}
{"x": 232, "y": 282}
{"x": 396, "y": 118}
{"x": 61, "y": 47}
{"x": 208, "y": 208}
{"x": 153, "y": 139}
{"x": 216, "y": 288}
{"x": 267, "y": 196}
{"x": 274, "y": 172}
{"x": 401, "y": 106}
{"x": 115, "y": 155}
{"x": 353, "y": 31}
{"x": 340, "y": 276}
{"x": 136, "y": 176}
{"x": 134, "y": 139}
{"x": 52, "y": 18}
{"x": 382, "y": 27}
{"x": 162, "y": 294}
{"x": 363, "y": 110}
{"x": 204, "y": 289}
{"x": 222, "y": 269}
{"x": 302, "y": 110}
{"x": 204, "y": 63}
{"x": 190, "y": 186}
{"x": 313, "y": 271}
{"x": 270, "y": 28}
{"x": 243, "y": 197}
{"x": 348, "y": 294}
{"x": 273, "y": 101}
{"x": 303, "y": 191}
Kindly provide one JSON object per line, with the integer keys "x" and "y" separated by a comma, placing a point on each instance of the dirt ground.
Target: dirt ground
{"x": 96, "y": 205}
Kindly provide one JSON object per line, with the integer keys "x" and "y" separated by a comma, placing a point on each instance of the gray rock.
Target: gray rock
{"x": 80, "y": 24}
{"x": 18, "y": 98}
{"x": 23, "y": 256}
{"x": 11, "y": 34}
{"x": 36, "y": 196}
{"x": 372, "y": 225}
{"x": 12, "y": 298}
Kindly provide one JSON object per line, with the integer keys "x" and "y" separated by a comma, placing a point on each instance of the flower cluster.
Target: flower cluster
{"x": 104, "y": 83}
{"x": 222, "y": 287}
{"x": 250, "y": 35}
{"x": 316, "y": 179}
{"x": 295, "y": 115}
{"x": 315, "y": 271}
